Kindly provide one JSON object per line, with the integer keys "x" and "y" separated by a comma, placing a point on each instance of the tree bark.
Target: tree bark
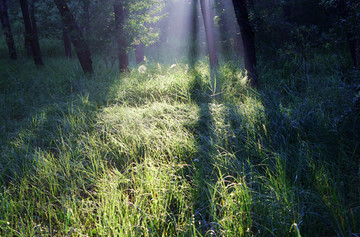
{"x": 76, "y": 36}
{"x": 27, "y": 45}
{"x": 67, "y": 43}
{"x": 31, "y": 35}
{"x": 120, "y": 12}
{"x": 139, "y": 53}
{"x": 194, "y": 30}
{"x": 248, "y": 38}
{"x": 34, "y": 25}
{"x": 5, "y": 23}
{"x": 210, "y": 37}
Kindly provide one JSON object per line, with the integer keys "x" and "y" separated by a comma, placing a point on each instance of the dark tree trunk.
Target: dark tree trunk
{"x": 76, "y": 36}
{"x": 139, "y": 53}
{"x": 247, "y": 35}
{"x": 5, "y": 23}
{"x": 194, "y": 29}
{"x": 67, "y": 43}
{"x": 210, "y": 37}
{"x": 121, "y": 39}
{"x": 27, "y": 46}
{"x": 34, "y": 25}
{"x": 31, "y": 35}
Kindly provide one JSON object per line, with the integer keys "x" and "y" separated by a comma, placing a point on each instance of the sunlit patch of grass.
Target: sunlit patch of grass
{"x": 147, "y": 199}
{"x": 157, "y": 130}
{"x": 155, "y": 83}
{"x": 161, "y": 151}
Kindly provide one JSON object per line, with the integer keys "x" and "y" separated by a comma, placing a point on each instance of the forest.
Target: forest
{"x": 180, "y": 118}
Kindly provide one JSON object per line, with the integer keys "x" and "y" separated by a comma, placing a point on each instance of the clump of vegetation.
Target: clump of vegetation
{"x": 157, "y": 153}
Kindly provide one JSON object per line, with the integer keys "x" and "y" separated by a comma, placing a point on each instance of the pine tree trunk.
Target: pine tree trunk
{"x": 67, "y": 43}
{"x": 210, "y": 37}
{"x": 121, "y": 40}
{"x": 5, "y": 23}
{"x": 248, "y": 38}
{"x": 31, "y": 35}
{"x": 76, "y": 36}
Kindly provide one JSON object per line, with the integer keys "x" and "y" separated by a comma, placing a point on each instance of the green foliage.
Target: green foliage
{"x": 155, "y": 152}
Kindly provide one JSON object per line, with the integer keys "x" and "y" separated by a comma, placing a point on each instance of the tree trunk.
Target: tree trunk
{"x": 121, "y": 39}
{"x": 194, "y": 30}
{"x": 34, "y": 25}
{"x": 5, "y": 23}
{"x": 67, "y": 43}
{"x": 31, "y": 35}
{"x": 27, "y": 45}
{"x": 210, "y": 37}
{"x": 139, "y": 53}
{"x": 76, "y": 36}
{"x": 247, "y": 35}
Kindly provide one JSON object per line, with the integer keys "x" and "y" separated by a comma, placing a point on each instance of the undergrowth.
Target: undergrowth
{"x": 178, "y": 151}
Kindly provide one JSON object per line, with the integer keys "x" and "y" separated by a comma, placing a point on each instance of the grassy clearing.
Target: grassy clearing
{"x": 156, "y": 153}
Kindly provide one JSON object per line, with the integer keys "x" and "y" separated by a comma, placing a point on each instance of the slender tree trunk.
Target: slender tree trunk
{"x": 121, "y": 40}
{"x": 248, "y": 38}
{"x": 76, "y": 36}
{"x": 67, "y": 43}
{"x": 5, "y": 23}
{"x": 34, "y": 25}
{"x": 210, "y": 37}
{"x": 31, "y": 33}
{"x": 194, "y": 25}
{"x": 139, "y": 53}
{"x": 27, "y": 45}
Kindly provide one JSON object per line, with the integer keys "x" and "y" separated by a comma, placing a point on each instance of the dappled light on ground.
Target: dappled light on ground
{"x": 161, "y": 151}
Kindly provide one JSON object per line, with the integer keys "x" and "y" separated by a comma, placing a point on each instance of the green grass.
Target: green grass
{"x": 156, "y": 153}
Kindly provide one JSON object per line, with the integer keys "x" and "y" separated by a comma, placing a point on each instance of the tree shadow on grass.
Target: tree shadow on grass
{"x": 40, "y": 107}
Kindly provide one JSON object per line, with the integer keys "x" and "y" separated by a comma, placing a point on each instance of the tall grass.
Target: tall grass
{"x": 178, "y": 151}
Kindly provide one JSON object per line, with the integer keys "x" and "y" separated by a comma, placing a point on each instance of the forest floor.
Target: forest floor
{"x": 178, "y": 151}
